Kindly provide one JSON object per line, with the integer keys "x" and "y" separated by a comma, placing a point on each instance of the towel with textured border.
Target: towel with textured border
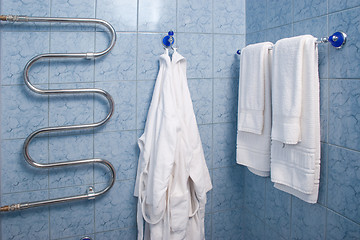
{"x": 254, "y": 113}
{"x": 295, "y": 149}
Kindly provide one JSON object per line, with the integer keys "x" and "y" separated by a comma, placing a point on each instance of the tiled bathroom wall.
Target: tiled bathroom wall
{"x": 270, "y": 213}
{"x": 207, "y": 33}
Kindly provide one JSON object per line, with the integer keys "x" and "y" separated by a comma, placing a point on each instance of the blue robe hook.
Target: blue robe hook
{"x": 168, "y": 40}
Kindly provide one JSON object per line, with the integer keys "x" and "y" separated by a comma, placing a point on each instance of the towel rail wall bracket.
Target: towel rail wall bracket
{"x": 337, "y": 40}
{"x": 91, "y": 194}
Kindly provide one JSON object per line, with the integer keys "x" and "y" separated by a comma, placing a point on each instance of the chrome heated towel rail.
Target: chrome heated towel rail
{"x": 91, "y": 194}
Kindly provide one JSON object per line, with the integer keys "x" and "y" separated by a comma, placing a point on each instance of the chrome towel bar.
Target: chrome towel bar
{"x": 91, "y": 194}
{"x": 337, "y": 40}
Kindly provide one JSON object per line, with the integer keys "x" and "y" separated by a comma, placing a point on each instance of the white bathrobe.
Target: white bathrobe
{"x": 172, "y": 177}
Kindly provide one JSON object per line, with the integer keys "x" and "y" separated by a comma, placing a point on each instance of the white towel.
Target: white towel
{"x": 288, "y": 75}
{"x": 295, "y": 168}
{"x": 254, "y": 109}
{"x": 253, "y": 66}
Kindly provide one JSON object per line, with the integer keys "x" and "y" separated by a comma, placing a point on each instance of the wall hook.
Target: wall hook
{"x": 169, "y": 39}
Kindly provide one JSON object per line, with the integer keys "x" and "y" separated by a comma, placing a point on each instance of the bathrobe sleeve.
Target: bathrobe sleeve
{"x": 157, "y": 147}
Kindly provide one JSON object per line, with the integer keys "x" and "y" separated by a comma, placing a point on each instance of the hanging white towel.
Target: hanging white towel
{"x": 172, "y": 178}
{"x": 288, "y": 75}
{"x": 254, "y": 109}
{"x": 295, "y": 167}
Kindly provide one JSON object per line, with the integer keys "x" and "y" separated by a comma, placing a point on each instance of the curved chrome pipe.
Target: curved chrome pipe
{"x": 91, "y": 194}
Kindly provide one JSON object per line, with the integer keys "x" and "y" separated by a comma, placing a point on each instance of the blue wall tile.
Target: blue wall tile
{"x": 277, "y": 209}
{"x": 71, "y": 109}
{"x": 22, "y": 111}
{"x": 148, "y": 57}
{"x": 255, "y": 16}
{"x": 309, "y": 8}
{"x": 224, "y": 145}
{"x": 119, "y": 148}
{"x": 129, "y": 233}
{"x": 37, "y": 8}
{"x": 275, "y": 34}
{"x": 194, "y": 16}
{"x": 324, "y": 109}
{"x": 120, "y": 63}
{"x": 225, "y": 100}
{"x": 272, "y": 234}
{"x": 226, "y": 61}
{"x": 78, "y": 237}
{"x": 206, "y": 133}
{"x": 343, "y": 187}
{"x": 344, "y": 107}
{"x": 307, "y": 220}
{"x": 278, "y": 12}
{"x": 144, "y": 95}
{"x": 73, "y": 8}
{"x": 256, "y": 37}
{"x": 71, "y": 219}
{"x": 254, "y": 227}
{"x": 255, "y": 194}
{"x": 228, "y": 16}
{"x": 67, "y": 148}
{"x": 198, "y": 51}
{"x": 348, "y": 67}
{"x": 69, "y": 71}
{"x": 323, "y": 175}
{"x": 339, "y": 227}
{"x": 208, "y": 225}
{"x": 228, "y": 186}
{"x": 14, "y": 56}
{"x": 158, "y": 16}
{"x": 116, "y": 209}
{"x": 17, "y": 175}
{"x": 324, "y": 97}
{"x": 201, "y": 91}
{"x": 31, "y": 224}
{"x": 342, "y": 4}
{"x": 122, "y": 14}
{"x": 124, "y": 97}
{"x": 227, "y": 225}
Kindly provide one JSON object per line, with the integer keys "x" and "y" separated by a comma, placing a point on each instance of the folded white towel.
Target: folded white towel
{"x": 254, "y": 120}
{"x": 288, "y": 74}
{"x": 253, "y": 66}
{"x": 295, "y": 168}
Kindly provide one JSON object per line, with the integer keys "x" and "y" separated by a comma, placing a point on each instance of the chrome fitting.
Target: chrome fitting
{"x": 16, "y": 18}
{"x": 15, "y": 207}
{"x": 90, "y": 56}
{"x": 91, "y": 193}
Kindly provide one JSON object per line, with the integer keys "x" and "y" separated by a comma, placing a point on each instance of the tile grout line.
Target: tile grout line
{"x": 1, "y": 141}
{"x": 212, "y": 117}
{"x": 48, "y": 137}
{"x": 93, "y": 132}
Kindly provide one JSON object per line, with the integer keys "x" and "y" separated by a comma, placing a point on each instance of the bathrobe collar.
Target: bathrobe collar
{"x": 176, "y": 57}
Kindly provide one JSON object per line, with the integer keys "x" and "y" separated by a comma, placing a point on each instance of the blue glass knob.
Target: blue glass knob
{"x": 171, "y": 33}
{"x": 338, "y": 39}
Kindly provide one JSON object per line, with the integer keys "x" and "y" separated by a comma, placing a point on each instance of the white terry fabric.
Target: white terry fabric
{"x": 289, "y": 70}
{"x": 253, "y": 67}
{"x": 254, "y": 109}
{"x": 172, "y": 177}
{"x": 295, "y": 168}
